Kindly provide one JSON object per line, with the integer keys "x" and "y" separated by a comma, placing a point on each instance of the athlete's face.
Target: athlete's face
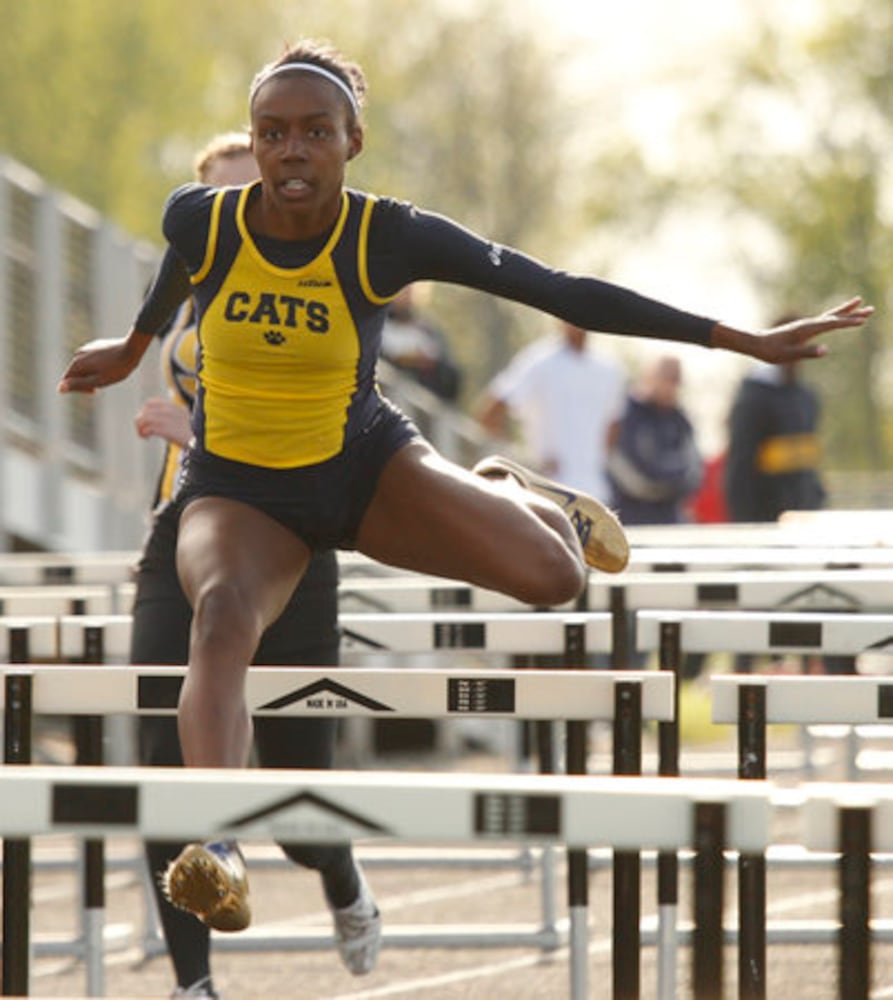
{"x": 302, "y": 135}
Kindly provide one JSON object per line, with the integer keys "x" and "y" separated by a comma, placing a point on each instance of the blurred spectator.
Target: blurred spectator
{"x": 774, "y": 451}
{"x": 565, "y": 397}
{"x": 416, "y": 346}
{"x": 653, "y": 460}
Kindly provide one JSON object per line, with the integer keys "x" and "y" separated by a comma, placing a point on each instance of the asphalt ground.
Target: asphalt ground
{"x": 453, "y": 892}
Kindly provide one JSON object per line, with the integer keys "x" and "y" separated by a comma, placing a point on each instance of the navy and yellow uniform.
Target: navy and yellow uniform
{"x": 179, "y": 348}
{"x": 288, "y": 415}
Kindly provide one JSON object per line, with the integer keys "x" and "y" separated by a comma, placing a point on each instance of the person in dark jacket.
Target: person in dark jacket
{"x": 653, "y": 463}
{"x": 774, "y": 450}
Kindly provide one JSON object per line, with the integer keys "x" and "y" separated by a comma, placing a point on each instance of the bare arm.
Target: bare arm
{"x": 104, "y": 362}
{"x": 792, "y": 341}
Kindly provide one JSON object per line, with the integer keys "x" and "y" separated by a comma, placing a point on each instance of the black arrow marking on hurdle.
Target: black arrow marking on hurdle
{"x": 366, "y": 599}
{"x": 881, "y": 643}
{"x": 362, "y": 639}
{"x": 330, "y": 687}
{"x": 839, "y": 597}
{"x": 313, "y": 799}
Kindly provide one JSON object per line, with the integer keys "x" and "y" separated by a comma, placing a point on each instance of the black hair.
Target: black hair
{"x": 320, "y": 54}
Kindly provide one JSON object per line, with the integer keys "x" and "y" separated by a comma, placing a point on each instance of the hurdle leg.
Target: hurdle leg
{"x": 670, "y": 656}
{"x": 88, "y": 741}
{"x": 626, "y": 947}
{"x": 709, "y": 873}
{"x": 88, "y": 733}
{"x": 752, "y": 867}
{"x": 17, "y": 730}
{"x": 854, "y": 955}
{"x": 576, "y": 762}
{"x": 548, "y": 764}
{"x": 578, "y": 877}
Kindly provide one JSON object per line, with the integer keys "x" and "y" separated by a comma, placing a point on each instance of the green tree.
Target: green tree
{"x": 467, "y": 116}
{"x": 798, "y": 138}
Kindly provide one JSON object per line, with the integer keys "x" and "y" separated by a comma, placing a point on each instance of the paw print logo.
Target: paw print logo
{"x": 274, "y": 337}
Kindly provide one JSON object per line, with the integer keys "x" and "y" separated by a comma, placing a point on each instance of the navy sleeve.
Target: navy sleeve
{"x": 408, "y": 244}
{"x": 185, "y": 223}
{"x": 169, "y": 290}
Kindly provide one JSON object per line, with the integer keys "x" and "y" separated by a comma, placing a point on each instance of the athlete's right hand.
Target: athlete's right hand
{"x": 103, "y": 362}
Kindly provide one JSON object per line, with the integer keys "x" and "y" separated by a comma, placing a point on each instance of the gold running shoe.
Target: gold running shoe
{"x": 604, "y": 543}
{"x": 210, "y": 882}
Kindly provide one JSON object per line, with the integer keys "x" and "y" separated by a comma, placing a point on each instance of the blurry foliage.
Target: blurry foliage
{"x": 110, "y": 100}
{"x": 799, "y": 137}
{"x": 468, "y": 115}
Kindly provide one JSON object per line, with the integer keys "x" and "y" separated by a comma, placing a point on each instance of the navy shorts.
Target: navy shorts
{"x": 322, "y": 504}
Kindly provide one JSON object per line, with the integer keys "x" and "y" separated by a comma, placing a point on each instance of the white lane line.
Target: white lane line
{"x": 418, "y": 897}
{"x": 416, "y": 986}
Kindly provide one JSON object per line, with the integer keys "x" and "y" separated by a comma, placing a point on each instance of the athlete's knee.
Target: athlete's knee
{"x": 555, "y": 577}
{"x": 221, "y": 609}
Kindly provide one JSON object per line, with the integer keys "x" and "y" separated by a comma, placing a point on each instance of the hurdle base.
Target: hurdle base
{"x": 115, "y": 937}
{"x": 406, "y": 936}
{"x": 777, "y": 932}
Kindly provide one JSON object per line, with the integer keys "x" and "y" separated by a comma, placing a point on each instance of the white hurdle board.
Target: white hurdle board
{"x": 755, "y": 557}
{"x": 816, "y": 590}
{"x": 41, "y": 632}
{"x": 513, "y": 633}
{"x": 578, "y": 810}
{"x": 315, "y": 691}
{"x": 65, "y": 599}
{"x": 807, "y": 700}
{"x": 42, "y": 568}
{"x": 819, "y": 813}
{"x": 785, "y": 585}
{"x": 830, "y": 633}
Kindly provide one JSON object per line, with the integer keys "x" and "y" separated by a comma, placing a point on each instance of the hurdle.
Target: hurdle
{"x": 64, "y": 599}
{"x": 584, "y": 695}
{"x": 762, "y": 632}
{"x": 514, "y": 633}
{"x": 577, "y": 811}
{"x": 769, "y": 632}
{"x": 854, "y": 822}
{"x": 669, "y": 558}
{"x": 18, "y": 569}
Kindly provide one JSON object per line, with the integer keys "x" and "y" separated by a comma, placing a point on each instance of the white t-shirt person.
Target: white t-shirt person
{"x": 565, "y": 397}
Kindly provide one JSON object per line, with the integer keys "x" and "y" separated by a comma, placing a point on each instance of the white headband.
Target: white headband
{"x": 306, "y": 67}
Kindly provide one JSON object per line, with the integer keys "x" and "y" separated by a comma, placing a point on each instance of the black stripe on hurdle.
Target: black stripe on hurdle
{"x": 782, "y": 634}
{"x": 885, "y": 701}
{"x": 460, "y": 635}
{"x": 717, "y": 593}
{"x": 158, "y": 692}
{"x": 505, "y": 814}
{"x": 80, "y": 803}
{"x": 450, "y": 597}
